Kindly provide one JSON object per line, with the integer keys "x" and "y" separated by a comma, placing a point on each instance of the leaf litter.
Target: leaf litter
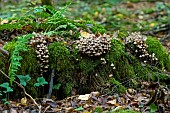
{"x": 150, "y": 97}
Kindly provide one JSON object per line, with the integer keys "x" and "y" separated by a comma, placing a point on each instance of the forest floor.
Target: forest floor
{"x": 150, "y": 18}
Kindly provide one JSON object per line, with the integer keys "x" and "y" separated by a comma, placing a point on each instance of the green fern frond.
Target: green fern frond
{"x": 21, "y": 45}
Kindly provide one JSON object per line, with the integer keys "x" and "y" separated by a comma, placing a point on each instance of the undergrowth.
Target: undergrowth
{"x": 21, "y": 45}
{"x": 74, "y": 69}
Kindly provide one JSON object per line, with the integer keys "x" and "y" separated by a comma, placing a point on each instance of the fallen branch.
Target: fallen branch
{"x": 2, "y": 42}
{"x": 39, "y": 106}
{"x": 51, "y": 83}
{"x": 4, "y": 52}
{"x": 165, "y": 38}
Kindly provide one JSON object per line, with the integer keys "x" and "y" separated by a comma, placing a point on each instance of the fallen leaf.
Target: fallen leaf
{"x": 95, "y": 93}
{"x": 84, "y": 97}
{"x": 113, "y": 102}
{"x": 84, "y": 34}
{"x": 24, "y": 101}
{"x": 117, "y": 108}
{"x": 86, "y": 112}
{"x": 69, "y": 110}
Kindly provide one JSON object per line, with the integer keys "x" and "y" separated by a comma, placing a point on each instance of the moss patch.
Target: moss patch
{"x": 154, "y": 46}
{"x": 29, "y": 64}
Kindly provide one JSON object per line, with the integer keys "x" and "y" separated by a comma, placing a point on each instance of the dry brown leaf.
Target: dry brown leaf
{"x": 56, "y": 109}
{"x": 113, "y": 102}
{"x": 95, "y": 93}
{"x": 84, "y": 97}
{"x": 69, "y": 110}
{"x": 24, "y": 101}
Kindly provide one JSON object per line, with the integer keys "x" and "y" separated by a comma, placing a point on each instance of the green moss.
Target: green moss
{"x": 87, "y": 64}
{"x": 134, "y": 0}
{"x": 29, "y": 64}
{"x": 60, "y": 57}
{"x": 3, "y": 66}
{"x": 10, "y": 46}
{"x": 2, "y": 61}
{"x": 118, "y": 87}
{"x": 98, "y": 109}
{"x": 61, "y": 60}
{"x": 120, "y": 59}
{"x": 125, "y": 111}
{"x": 154, "y": 46}
{"x": 148, "y": 10}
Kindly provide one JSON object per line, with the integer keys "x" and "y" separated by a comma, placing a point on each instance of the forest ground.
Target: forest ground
{"x": 148, "y": 17}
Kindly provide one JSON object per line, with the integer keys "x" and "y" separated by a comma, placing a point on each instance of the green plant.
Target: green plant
{"x": 24, "y": 79}
{"x": 40, "y": 82}
{"x": 153, "y": 108}
{"x": 57, "y": 87}
{"x": 16, "y": 57}
{"x": 7, "y": 87}
{"x": 154, "y": 46}
{"x": 68, "y": 88}
{"x": 60, "y": 57}
{"x": 6, "y": 91}
{"x": 118, "y": 87}
{"x": 98, "y": 109}
{"x": 125, "y": 111}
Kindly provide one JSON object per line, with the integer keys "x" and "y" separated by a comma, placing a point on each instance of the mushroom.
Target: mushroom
{"x": 136, "y": 43}
{"x": 94, "y": 45}
{"x": 39, "y": 41}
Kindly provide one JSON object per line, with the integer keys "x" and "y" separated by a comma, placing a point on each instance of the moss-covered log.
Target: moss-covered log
{"x": 75, "y": 70}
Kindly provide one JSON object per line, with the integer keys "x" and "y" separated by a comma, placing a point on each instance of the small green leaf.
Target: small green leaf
{"x": 24, "y": 79}
{"x": 79, "y": 109}
{"x": 4, "y": 85}
{"x": 37, "y": 84}
{"x": 0, "y": 93}
{"x": 153, "y": 108}
{"x": 41, "y": 81}
{"x": 8, "y": 88}
{"x": 57, "y": 87}
{"x": 5, "y": 101}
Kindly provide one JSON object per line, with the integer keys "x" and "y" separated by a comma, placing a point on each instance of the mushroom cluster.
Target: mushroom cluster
{"x": 135, "y": 43}
{"x": 39, "y": 42}
{"x": 94, "y": 45}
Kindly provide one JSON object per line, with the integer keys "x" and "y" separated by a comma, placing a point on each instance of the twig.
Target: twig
{"x": 165, "y": 38}
{"x": 2, "y": 42}
{"x": 4, "y": 52}
{"x": 51, "y": 83}
{"x": 46, "y": 109}
{"x": 39, "y": 106}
